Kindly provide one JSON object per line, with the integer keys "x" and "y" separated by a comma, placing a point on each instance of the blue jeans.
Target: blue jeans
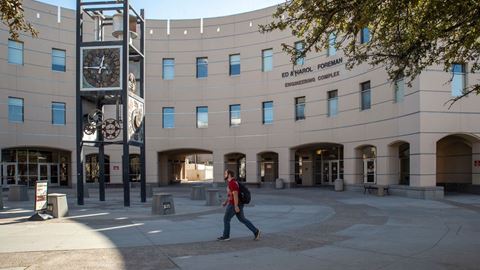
{"x": 229, "y": 213}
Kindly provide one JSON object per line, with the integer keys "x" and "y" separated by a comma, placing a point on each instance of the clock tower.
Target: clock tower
{"x": 110, "y": 91}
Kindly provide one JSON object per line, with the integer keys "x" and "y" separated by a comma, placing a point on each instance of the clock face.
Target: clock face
{"x": 101, "y": 68}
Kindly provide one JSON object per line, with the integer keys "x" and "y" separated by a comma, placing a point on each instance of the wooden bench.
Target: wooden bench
{"x": 371, "y": 187}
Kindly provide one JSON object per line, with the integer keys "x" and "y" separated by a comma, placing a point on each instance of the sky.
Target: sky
{"x": 187, "y": 9}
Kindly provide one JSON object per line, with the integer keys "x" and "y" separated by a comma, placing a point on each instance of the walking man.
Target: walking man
{"x": 234, "y": 207}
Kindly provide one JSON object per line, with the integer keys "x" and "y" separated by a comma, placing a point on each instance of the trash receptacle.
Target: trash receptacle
{"x": 339, "y": 185}
{"x": 279, "y": 183}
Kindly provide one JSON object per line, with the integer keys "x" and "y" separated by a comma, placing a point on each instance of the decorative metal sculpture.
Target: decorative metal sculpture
{"x": 89, "y": 129}
{"x": 95, "y": 118}
{"x": 111, "y": 129}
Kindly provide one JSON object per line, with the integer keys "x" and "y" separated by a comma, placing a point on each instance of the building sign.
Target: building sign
{"x": 41, "y": 195}
{"x": 307, "y": 70}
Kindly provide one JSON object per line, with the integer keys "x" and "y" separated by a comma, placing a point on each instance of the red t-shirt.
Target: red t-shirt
{"x": 232, "y": 186}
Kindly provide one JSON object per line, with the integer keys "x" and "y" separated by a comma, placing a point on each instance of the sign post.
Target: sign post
{"x": 41, "y": 203}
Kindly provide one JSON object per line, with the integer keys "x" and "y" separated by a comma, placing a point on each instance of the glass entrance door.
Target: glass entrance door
{"x": 9, "y": 176}
{"x": 330, "y": 172}
{"x": 369, "y": 171}
{"x": 48, "y": 172}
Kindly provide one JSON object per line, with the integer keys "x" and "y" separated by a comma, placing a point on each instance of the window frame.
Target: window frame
{"x": 265, "y": 57}
{"x": 330, "y": 97}
{"x": 198, "y": 65}
{"x": 264, "y": 111}
{"x": 365, "y": 35}
{"x": 164, "y": 69}
{"x": 463, "y": 80}
{"x": 198, "y": 113}
{"x": 64, "y": 60}
{"x": 64, "y": 113}
{"x": 301, "y": 60}
{"x": 231, "y": 115}
{"x": 297, "y": 104}
{"x": 332, "y": 40}
{"x": 230, "y": 64}
{"x": 172, "y": 114}
{"x": 12, "y": 48}
{"x": 10, "y": 120}
{"x": 364, "y": 91}
{"x": 396, "y": 90}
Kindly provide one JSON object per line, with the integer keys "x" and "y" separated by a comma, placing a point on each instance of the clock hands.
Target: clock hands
{"x": 101, "y": 65}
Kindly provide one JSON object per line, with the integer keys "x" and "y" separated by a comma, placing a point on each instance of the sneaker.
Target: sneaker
{"x": 223, "y": 239}
{"x": 257, "y": 235}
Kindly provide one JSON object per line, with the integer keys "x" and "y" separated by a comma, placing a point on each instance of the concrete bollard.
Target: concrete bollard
{"x": 17, "y": 193}
{"x": 59, "y": 204}
{"x": 197, "y": 193}
{"x": 213, "y": 198}
{"x": 149, "y": 190}
{"x": 279, "y": 183}
{"x": 339, "y": 185}
{"x": 162, "y": 204}
{"x": 381, "y": 191}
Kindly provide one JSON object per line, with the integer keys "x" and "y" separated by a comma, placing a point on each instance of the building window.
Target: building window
{"x": 366, "y": 95}
{"x": 58, "y": 60}
{"x": 332, "y": 39}
{"x": 267, "y": 108}
{"x": 168, "y": 71}
{"x": 267, "y": 60}
{"x": 235, "y": 117}
{"x": 58, "y": 113}
{"x": 299, "y": 47}
{"x": 15, "y": 110}
{"x": 365, "y": 35}
{"x": 202, "y": 117}
{"x": 234, "y": 64}
{"x": 299, "y": 108}
{"x": 399, "y": 87}
{"x": 458, "y": 79}
{"x": 15, "y": 52}
{"x": 202, "y": 67}
{"x": 332, "y": 103}
{"x": 168, "y": 117}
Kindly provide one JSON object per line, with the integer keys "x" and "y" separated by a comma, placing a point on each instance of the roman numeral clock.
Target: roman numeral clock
{"x": 110, "y": 87}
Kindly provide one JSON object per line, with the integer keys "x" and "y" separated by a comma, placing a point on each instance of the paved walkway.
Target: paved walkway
{"x": 307, "y": 228}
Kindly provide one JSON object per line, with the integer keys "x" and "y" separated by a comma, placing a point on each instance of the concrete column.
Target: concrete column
{"x": 383, "y": 176}
{"x": 252, "y": 167}
{"x": 476, "y": 164}
{"x": 349, "y": 165}
{"x": 393, "y": 165}
{"x": 218, "y": 166}
{"x": 152, "y": 168}
{"x": 163, "y": 170}
{"x": 286, "y": 166}
{"x": 423, "y": 159}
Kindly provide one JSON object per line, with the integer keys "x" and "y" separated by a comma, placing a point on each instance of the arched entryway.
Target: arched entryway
{"x": 236, "y": 162}
{"x": 185, "y": 165}
{"x": 92, "y": 168}
{"x": 458, "y": 165}
{"x": 399, "y": 162}
{"x": 26, "y": 165}
{"x": 318, "y": 164}
{"x": 366, "y": 156}
{"x": 267, "y": 166}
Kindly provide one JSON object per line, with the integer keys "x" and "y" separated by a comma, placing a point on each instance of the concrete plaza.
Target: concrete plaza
{"x": 305, "y": 228}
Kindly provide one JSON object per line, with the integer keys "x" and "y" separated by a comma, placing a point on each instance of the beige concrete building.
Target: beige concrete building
{"x": 219, "y": 89}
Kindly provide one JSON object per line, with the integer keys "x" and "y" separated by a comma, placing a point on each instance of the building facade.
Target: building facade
{"x": 217, "y": 87}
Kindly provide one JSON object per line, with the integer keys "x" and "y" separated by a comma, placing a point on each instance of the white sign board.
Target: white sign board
{"x": 41, "y": 195}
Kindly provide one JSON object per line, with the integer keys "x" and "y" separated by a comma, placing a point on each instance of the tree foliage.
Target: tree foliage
{"x": 11, "y": 14}
{"x": 407, "y": 36}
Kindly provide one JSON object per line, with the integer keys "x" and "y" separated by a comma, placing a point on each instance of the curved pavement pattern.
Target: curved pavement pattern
{"x": 301, "y": 229}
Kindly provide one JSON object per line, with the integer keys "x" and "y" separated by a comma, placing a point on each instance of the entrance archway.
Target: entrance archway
{"x": 457, "y": 164}
{"x": 236, "y": 162}
{"x": 25, "y": 165}
{"x": 267, "y": 166}
{"x": 318, "y": 164}
{"x": 185, "y": 165}
{"x": 366, "y": 155}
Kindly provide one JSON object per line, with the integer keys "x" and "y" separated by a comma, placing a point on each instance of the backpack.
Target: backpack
{"x": 244, "y": 194}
